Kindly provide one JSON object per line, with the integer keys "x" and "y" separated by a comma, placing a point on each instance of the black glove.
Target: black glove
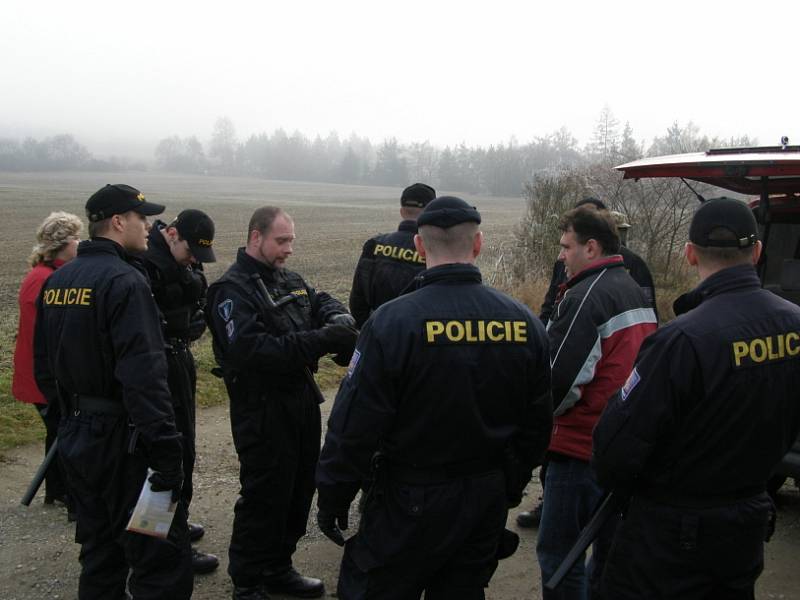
{"x": 161, "y": 481}
{"x": 507, "y": 545}
{"x": 342, "y": 319}
{"x": 342, "y": 359}
{"x": 332, "y": 524}
{"x": 338, "y": 339}
{"x": 197, "y": 325}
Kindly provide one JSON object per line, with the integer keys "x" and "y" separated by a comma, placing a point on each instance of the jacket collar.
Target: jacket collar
{"x": 606, "y": 262}
{"x": 408, "y": 225}
{"x": 101, "y": 245}
{"x": 727, "y": 280}
{"x": 450, "y": 273}
{"x": 251, "y": 265}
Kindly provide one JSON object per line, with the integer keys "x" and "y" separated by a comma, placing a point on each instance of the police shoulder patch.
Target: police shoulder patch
{"x": 225, "y": 309}
{"x": 353, "y": 363}
{"x": 633, "y": 379}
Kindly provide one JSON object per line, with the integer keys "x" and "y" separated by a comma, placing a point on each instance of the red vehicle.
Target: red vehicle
{"x": 773, "y": 175}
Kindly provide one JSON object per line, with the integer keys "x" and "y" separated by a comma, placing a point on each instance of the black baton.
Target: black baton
{"x": 585, "y": 539}
{"x": 38, "y": 478}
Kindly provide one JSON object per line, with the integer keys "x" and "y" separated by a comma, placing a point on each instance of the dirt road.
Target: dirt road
{"x": 38, "y": 559}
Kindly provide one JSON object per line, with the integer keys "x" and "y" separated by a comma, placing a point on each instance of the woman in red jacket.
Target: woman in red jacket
{"x": 57, "y": 243}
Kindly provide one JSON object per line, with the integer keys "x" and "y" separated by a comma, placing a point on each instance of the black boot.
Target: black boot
{"x": 203, "y": 562}
{"x": 292, "y": 583}
{"x": 195, "y": 532}
{"x": 530, "y": 518}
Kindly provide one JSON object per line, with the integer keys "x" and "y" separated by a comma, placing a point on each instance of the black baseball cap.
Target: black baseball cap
{"x": 197, "y": 228}
{"x": 417, "y": 195}
{"x": 723, "y": 213}
{"x": 117, "y": 199}
{"x": 447, "y": 211}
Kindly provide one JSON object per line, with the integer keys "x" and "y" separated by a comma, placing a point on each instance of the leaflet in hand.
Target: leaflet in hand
{"x": 153, "y": 512}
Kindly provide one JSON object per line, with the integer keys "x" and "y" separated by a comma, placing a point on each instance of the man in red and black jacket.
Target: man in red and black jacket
{"x": 599, "y": 322}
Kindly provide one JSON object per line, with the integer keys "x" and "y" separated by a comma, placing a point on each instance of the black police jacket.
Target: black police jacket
{"x": 255, "y": 342}
{"x": 635, "y": 266}
{"x": 452, "y": 373}
{"x": 712, "y": 403}
{"x": 388, "y": 264}
{"x": 98, "y": 334}
{"x": 180, "y": 292}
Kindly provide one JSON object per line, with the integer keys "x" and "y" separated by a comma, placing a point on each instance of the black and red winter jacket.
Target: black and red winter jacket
{"x": 595, "y": 332}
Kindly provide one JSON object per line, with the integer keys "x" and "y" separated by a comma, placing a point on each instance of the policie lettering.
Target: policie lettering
{"x": 68, "y": 297}
{"x": 404, "y": 254}
{"x": 773, "y": 348}
{"x": 475, "y": 331}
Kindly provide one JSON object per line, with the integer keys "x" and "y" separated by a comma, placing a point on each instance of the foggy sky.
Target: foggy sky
{"x": 447, "y": 72}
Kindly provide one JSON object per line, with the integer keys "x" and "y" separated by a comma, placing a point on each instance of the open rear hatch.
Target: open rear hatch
{"x": 771, "y": 170}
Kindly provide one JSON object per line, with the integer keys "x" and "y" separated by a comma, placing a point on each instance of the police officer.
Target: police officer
{"x": 174, "y": 258}
{"x": 709, "y": 409}
{"x": 443, "y": 414}
{"x": 99, "y": 352}
{"x": 270, "y": 328}
{"x": 390, "y": 261}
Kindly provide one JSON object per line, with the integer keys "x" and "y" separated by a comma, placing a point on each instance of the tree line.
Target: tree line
{"x": 499, "y": 170}
{"x": 57, "y": 153}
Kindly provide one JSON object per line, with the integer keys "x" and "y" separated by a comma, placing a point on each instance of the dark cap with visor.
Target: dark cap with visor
{"x": 197, "y": 228}
{"x": 723, "y": 213}
{"x": 117, "y": 199}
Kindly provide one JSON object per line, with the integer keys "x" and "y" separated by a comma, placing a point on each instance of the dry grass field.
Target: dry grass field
{"x": 332, "y": 221}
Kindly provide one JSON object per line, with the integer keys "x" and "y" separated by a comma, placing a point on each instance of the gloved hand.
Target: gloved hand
{"x": 171, "y": 479}
{"x": 342, "y": 319}
{"x": 197, "y": 325}
{"x": 331, "y": 525}
{"x": 342, "y": 359}
{"x": 338, "y": 339}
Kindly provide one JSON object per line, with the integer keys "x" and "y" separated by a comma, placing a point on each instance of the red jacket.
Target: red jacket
{"x": 595, "y": 332}
{"x": 23, "y": 386}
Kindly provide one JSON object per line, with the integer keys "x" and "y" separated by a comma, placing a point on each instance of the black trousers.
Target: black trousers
{"x": 54, "y": 483}
{"x": 277, "y": 438}
{"x": 666, "y": 552}
{"x": 105, "y": 481}
{"x": 441, "y": 539}
{"x": 182, "y": 381}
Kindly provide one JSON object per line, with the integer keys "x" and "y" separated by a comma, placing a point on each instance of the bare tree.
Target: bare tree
{"x": 223, "y": 144}
{"x": 547, "y": 197}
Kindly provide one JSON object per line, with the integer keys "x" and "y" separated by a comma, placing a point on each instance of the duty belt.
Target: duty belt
{"x": 79, "y": 403}
{"x": 175, "y": 344}
{"x": 440, "y": 474}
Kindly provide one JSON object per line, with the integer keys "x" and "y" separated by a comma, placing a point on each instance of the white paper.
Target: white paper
{"x": 153, "y": 512}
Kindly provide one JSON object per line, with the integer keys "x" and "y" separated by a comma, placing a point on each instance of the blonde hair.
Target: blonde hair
{"x": 53, "y": 234}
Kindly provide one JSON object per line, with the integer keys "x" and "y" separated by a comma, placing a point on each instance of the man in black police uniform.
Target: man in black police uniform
{"x": 173, "y": 260}
{"x": 448, "y": 397}
{"x": 99, "y": 354}
{"x": 267, "y": 347}
{"x": 390, "y": 261}
{"x": 709, "y": 409}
